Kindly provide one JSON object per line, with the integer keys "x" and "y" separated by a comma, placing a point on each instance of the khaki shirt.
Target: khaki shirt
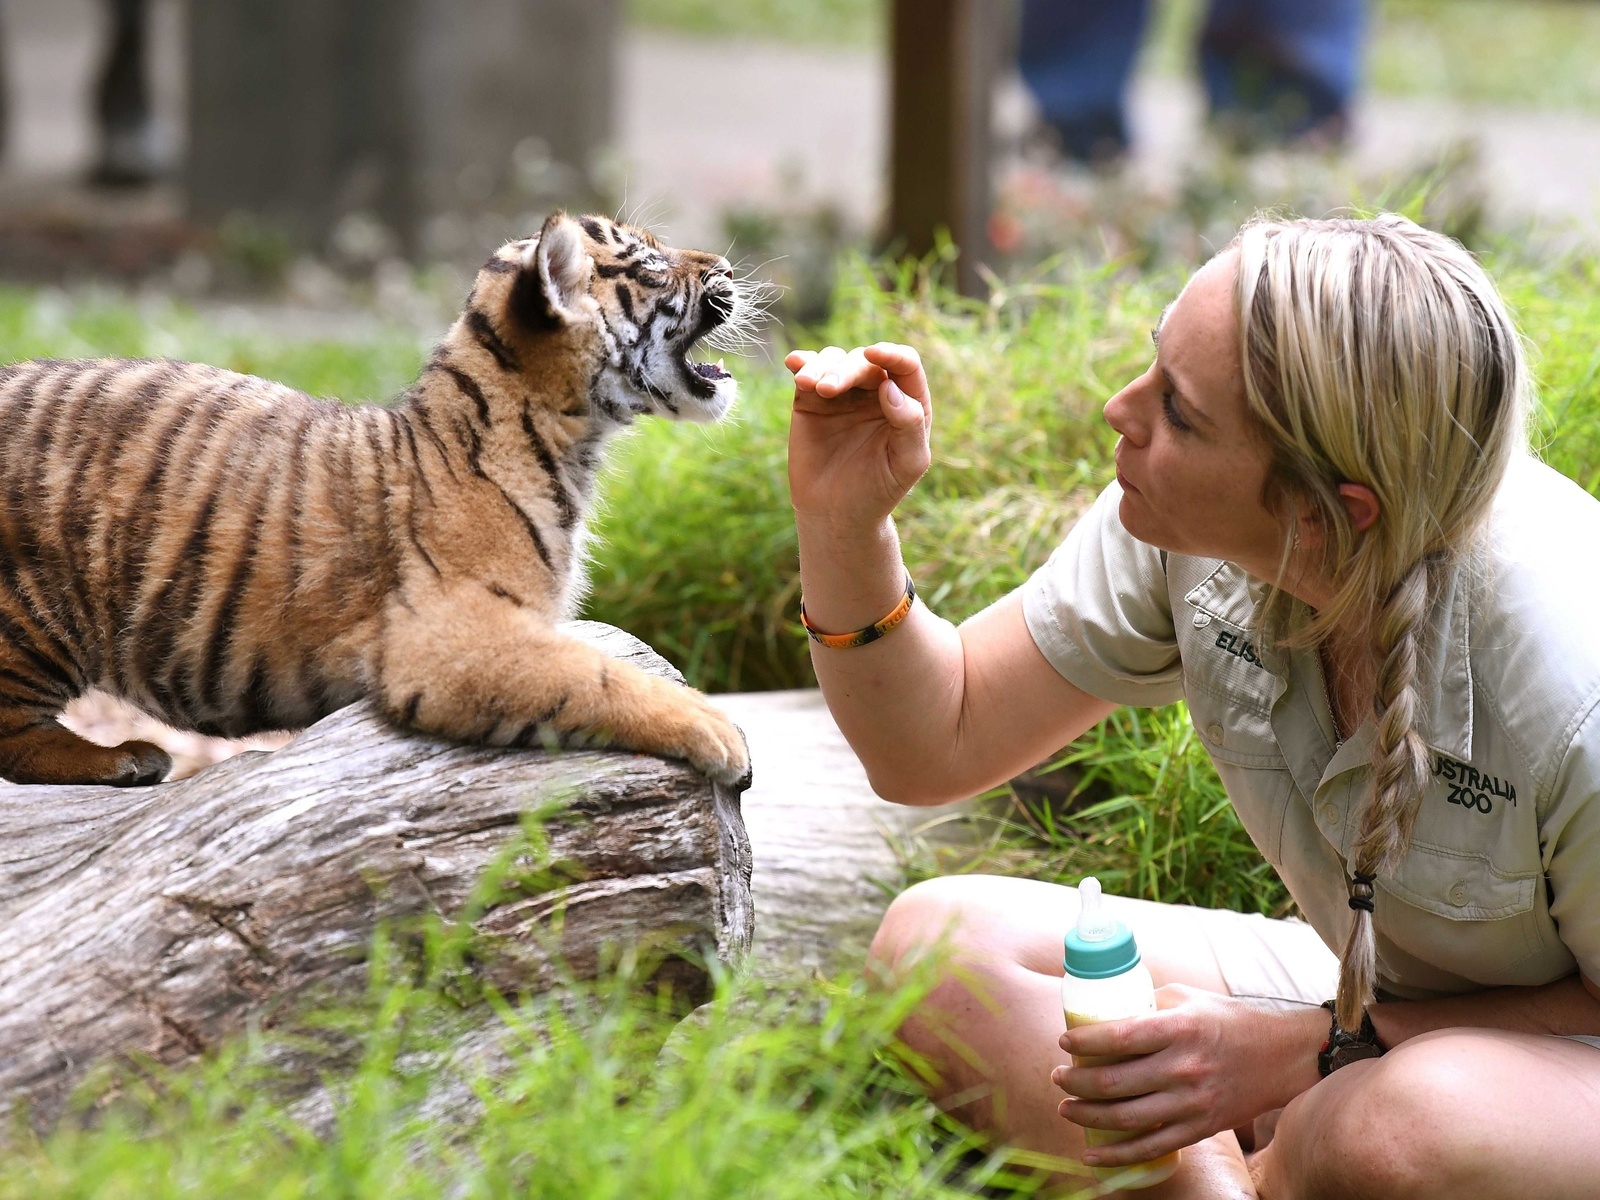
{"x": 1502, "y": 882}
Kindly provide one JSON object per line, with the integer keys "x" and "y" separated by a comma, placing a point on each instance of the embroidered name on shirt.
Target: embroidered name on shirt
{"x": 1239, "y": 647}
{"x": 1470, "y": 787}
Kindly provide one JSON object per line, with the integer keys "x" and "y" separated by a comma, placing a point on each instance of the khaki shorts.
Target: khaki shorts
{"x": 1281, "y": 963}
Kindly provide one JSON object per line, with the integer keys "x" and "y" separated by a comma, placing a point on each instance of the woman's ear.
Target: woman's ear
{"x": 1361, "y": 504}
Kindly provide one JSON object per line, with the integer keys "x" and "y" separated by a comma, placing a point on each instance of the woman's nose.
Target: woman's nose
{"x": 1121, "y": 413}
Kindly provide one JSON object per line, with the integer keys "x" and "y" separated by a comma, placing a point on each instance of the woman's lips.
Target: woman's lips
{"x": 1123, "y": 481}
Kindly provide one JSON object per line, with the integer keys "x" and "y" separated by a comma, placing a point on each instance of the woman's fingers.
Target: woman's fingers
{"x": 833, "y": 371}
{"x": 902, "y": 411}
{"x": 1136, "y": 1077}
{"x": 1137, "y": 1035}
{"x": 1126, "y": 1116}
{"x": 903, "y": 364}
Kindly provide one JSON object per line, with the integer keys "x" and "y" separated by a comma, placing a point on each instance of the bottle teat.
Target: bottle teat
{"x": 1094, "y": 925}
{"x": 1099, "y": 945}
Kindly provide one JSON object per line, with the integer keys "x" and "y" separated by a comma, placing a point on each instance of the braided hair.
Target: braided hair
{"x": 1378, "y": 352}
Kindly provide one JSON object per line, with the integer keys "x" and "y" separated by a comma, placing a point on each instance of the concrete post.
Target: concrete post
{"x": 305, "y": 111}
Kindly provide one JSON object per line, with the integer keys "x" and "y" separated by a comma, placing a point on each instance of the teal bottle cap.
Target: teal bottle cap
{"x": 1100, "y": 946}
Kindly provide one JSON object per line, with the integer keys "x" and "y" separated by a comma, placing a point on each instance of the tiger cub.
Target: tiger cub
{"x": 233, "y": 556}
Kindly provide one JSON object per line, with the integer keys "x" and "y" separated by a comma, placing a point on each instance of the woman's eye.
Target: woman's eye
{"x": 1169, "y": 410}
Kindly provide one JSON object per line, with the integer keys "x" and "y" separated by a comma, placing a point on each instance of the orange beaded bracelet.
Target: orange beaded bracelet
{"x": 848, "y": 641}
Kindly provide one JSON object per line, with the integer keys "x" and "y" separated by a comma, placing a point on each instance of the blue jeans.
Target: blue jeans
{"x": 1279, "y": 67}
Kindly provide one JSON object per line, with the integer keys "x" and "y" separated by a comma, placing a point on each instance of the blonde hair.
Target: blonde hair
{"x": 1378, "y": 352}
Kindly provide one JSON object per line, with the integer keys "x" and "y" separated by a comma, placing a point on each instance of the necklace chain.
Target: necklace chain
{"x": 1328, "y": 694}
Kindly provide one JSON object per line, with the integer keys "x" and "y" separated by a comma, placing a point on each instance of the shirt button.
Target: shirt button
{"x": 1201, "y": 620}
{"x": 1330, "y": 813}
{"x": 1214, "y": 732}
{"x": 1459, "y": 894}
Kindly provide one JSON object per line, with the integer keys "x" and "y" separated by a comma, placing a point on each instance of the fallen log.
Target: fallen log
{"x": 158, "y": 922}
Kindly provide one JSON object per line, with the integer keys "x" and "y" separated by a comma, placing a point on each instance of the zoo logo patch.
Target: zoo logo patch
{"x": 1470, "y": 787}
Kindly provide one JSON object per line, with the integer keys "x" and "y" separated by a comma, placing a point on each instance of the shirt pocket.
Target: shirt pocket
{"x": 1230, "y": 702}
{"x": 1457, "y": 910}
{"x": 1235, "y": 728}
{"x": 1230, "y": 691}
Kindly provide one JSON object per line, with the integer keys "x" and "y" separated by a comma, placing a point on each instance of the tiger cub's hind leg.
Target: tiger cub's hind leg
{"x": 36, "y": 748}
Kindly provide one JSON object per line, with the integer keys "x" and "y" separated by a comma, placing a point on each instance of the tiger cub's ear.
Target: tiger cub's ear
{"x": 555, "y": 276}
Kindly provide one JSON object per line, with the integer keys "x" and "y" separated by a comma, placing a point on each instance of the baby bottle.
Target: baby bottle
{"x": 1106, "y": 981}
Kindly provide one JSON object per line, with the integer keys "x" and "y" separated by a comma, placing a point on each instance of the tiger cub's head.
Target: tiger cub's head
{"x": 612, "y": 300}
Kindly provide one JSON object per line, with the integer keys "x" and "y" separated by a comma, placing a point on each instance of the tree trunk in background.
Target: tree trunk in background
{"x": 158, "y": 921}
{"x": 945, "y": 55}
{"x": 421, "y": 113}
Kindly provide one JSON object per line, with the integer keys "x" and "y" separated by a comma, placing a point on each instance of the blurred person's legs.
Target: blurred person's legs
{"x": 1076, "y": 56}
{"x": 1280, "y": 70}
{"x": 122, "y": 101}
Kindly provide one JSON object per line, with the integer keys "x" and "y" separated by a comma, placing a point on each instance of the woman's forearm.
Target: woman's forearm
{"x": 935, "y": 713}
{"x": 1563, "y": 1007}
{"x": 898, "y": 700}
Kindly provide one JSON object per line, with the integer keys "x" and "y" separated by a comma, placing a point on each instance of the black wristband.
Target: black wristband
{"x": 1343, "y": 1047}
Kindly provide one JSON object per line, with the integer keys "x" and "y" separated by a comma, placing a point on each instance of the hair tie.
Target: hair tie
{"x": 1361, "y": 891}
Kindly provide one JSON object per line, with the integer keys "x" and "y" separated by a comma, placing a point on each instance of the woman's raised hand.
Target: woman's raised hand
{"x": 858, "y": 440}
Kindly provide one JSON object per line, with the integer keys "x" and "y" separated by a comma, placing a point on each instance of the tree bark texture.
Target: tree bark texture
{"x": 158, "y": 921}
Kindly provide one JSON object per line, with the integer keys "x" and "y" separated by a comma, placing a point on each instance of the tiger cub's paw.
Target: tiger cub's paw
{"x": 712, "y": 744}
{"x": 140, "y": 764}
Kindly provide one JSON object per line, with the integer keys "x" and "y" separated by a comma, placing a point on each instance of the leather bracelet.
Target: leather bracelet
{"x": 1343, "y": 1047}
{"x": 849, "y": 641}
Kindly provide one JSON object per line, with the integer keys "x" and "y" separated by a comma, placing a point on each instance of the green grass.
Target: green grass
{"x": 596, "y": 1091}
{"x": 1515, "y": 53}
{"x": 799, "y": 1093}
{"x": 1138, "y": 805}
{"x": 61, "y": 325}
{"x": 1018, "y": 447}
{"x": 838, "y": 22}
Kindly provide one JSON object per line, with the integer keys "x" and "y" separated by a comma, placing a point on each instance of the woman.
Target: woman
{"x": 1328, "y": 536}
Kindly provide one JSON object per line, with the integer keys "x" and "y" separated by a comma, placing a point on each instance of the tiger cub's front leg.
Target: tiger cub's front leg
{"x": 471, "y": 666}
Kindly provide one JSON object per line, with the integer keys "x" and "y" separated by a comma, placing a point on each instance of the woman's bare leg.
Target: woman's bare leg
{"x": 990, "y": 1026}
{"x": 1459, "y": 1114}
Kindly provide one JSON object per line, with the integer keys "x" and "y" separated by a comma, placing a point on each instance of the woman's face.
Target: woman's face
{"x": 1191, "y": 464}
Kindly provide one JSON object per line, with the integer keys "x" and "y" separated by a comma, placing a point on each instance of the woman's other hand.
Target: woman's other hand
{"x": 1202, "y": 1064}
{"x": 859, "y": 438}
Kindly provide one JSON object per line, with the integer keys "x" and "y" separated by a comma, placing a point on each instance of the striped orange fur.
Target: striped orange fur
{"x": 233, "y": 556}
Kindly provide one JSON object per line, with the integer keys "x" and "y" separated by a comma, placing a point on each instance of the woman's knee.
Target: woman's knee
{"x": 970, "y": 917}
{"x": 919, "y": 918}
{"x": 1407, "y": 1124}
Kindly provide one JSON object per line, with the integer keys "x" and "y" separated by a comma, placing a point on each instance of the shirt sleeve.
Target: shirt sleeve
{"x": 1100, "y": 612}
{"x": 1570, "y": 832}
